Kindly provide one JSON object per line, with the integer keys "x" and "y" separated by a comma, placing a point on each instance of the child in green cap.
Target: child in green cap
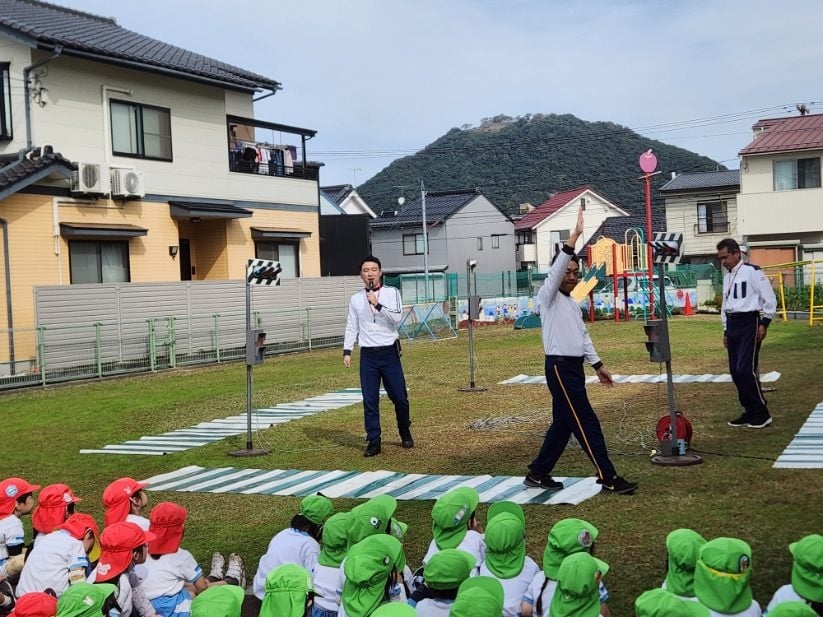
{"x": 807, "y": 575}
{"x": 722, "y": 578}
{"x": 793, "y": 609}
{"x": 87, "y": 600}
{"x": 333, "y": 546}
{"x": 442, "y": 577}
{"x": 566, "y": 537}
{"x": 298, "y": 544}
{"x": 683, "y": 549}
{"x": 372, "y": 575}
{"x": 578, "y": 587}
{"x": 454, "y": 524}
{"x": 218, "y": 601}
{"x": 371, "y": 517}
{"x": 479, "y": 596}
{"x": 506, "y": 558}
{"x": 289, "y": 592}
{"x": 662, "y": 603}
{"x": 395, "y": 609}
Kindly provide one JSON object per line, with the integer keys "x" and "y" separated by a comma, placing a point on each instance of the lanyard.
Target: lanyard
{"x": 731, "y": 282}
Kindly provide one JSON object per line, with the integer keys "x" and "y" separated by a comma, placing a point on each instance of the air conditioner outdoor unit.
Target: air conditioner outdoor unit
{"x": 127, "y": 183}
{"x": 90, "y": 178}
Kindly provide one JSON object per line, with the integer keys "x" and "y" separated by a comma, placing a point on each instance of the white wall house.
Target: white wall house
{"x": 348, "y": 199}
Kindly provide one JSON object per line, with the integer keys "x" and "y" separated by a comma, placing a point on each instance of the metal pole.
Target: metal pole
{"x": 425, "y": 242}
{"x": 470, "y": 326}
{"x": 97, "y": 339}
{"x": 649, "y": 260}
{"x": 248, "y": 371}
{"x": 669, "y": 381}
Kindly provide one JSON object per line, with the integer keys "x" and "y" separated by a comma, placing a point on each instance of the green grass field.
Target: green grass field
{"x": 735, "y": 492}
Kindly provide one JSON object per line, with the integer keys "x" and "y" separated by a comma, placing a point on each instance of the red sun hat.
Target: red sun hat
{"x": 77, "y": 525}
{"x": 35, "y": 604}
{"x": 166, "y": 521}
{"x": 52, "y": 504}
{"x": 10, "y": 490}
{"x": 118, "y": 541}
{"x": 116, "y": 498}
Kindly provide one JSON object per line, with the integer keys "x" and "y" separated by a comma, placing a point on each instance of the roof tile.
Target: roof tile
{"x": 787, "y": 135}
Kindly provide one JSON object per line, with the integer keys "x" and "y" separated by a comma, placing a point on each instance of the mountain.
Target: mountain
{"x": 529, "y": 158}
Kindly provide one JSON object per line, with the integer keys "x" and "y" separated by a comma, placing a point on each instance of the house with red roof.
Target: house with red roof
{"x": 780, "y": 205}
{"x": 552, "y": 221}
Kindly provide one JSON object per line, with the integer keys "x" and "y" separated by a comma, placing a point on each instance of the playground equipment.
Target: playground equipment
{"x": 806, "y": 269}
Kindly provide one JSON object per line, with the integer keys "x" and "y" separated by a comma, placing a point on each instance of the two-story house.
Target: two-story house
{"x": 348, "y": 199}
{"x": 703, "y": 207}
{"x": 780, "y": 205}
{"x": 125, "y": 158}
{"x": 552, "y": 222}
{"x": 461, "y": 225}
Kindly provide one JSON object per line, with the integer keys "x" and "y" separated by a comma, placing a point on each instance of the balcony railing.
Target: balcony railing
{"x": 248, "y": 163}
{"x": 701, "y": 229}
{"x": 256, "y": 147}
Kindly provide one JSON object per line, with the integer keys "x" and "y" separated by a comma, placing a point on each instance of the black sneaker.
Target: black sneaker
{"x": 618, "y": 485}
{"x": 743, "y": 420}
{"x": 759, "y": 421}
{"x": 545, "y": 482}
{"x": 406, "y": 439}
{"x": 372, "y": 448}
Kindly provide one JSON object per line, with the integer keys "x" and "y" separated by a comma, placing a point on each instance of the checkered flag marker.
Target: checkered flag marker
{"x": 263, "y": 272}
{"x": 666, "y": 247}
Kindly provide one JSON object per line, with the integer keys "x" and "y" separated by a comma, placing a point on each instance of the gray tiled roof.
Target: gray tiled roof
{"x": 704, "y": 180}
{"x": 16, "y": 174}
{"x": 337, "y": 192}
{"x": 615, "y": 227}
{"x": 439, "y": 207}
{"x": 100, "y": 38}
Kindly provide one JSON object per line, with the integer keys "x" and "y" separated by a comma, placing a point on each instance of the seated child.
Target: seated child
{"x": 578, "y": 587}
{"x": 442, "y": 576}
{"x": 54, "y": 505}
{"x": 722, "y": 578}
{"x": 663, "y": 603}
{"x": 219, "y": 601}
{"x": 16, "y": 500}
{"x": 289, "y": 592}
{"x": 36, "y": 604}
{"x": 327, "y": 571}
{"x": 807, "y": 575}
{"x": 125, "y": 500}
{"x": 683, "y": 549}
{"x": 87, "y": 600}
{"x": 478, "y": 596}
{"x": 454, "y": 524}
{"x": 373, "y": 573}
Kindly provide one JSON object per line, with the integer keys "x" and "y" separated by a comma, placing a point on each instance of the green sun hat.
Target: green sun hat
{"x": 287, "y": 589}
{"x": 316, "y": 508}
{"x": 578, "y": 586}
{"x": 505, "y": 545}
{"x": 367, "y": 567}
{"x": 395, "y": 609}
{"x": 663, "y": 603}
{"x": 722, "y": 574}
{"x": 218, "y": 601}
{"x": 398, "y": 529}
{"x": 683, "y": 549}
{"x": 479, "y": 596}
{"x": 451, "y": 514}
{"x": 567, "y": 536}
{"x": 371, "y": 517}
{"x": 499, "y": 507}
{"x": 807, "y": 568}
{"x": 335, "y": 540}
{"x": 792, "y": 609}
{"x": 84, "y": 600}
{"x": 448, "y": 568}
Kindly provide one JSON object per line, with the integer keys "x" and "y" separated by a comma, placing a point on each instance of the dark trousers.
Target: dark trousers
{"x": 572, "y": 414}
{"x": 376, "y": 364}
{"x": 744, "y": 356}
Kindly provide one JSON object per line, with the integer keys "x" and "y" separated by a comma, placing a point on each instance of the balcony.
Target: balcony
{"x": 269, "y": 149}
{"x": 526, "y": 253}
{"x": 708, "y": 227}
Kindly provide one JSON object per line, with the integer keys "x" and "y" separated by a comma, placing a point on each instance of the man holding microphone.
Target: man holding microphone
{"x": 374, "y": 315}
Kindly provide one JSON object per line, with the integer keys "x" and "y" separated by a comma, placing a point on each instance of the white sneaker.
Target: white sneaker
{"x": 218, "y": 566}
{"x": 236, "y": 569}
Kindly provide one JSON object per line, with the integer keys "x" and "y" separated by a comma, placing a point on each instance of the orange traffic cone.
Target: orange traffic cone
{"x": 687, "y": 308}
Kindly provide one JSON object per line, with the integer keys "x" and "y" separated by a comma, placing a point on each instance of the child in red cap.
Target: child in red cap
{"x": 122, "y": 546}
{"x": 172, "y": 570}
{"x": 54, "y": 505}
{"x": 16, "y": 500}
{"x": 36, "y": 604}
{"x": 125, "y": 500}
{"x": 60, "y": 558}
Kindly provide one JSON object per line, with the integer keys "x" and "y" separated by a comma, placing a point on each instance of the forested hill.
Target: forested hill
{"x": 529, "y": 158}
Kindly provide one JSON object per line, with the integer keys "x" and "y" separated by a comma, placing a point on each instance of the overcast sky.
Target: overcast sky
{"x": 380, "y": 79}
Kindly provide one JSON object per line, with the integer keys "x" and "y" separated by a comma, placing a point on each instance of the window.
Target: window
{"x": 140, "y": 131}
{"x": 413, "y": 244}
{"x": 558, "y": 236}
{"x": 5, "y": 102}
{"x": 797, "y": 174}
{"x": 525, "y": 237}
{"x": 711, "y": 218}
{"x": 287, "y": 253}
{"x": 480, "y": 244}
{"x": 99, "y": 262}
{"x": 495, "y": 241}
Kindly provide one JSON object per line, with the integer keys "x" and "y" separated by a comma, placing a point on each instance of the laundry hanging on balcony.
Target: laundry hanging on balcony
{"x": 262, "y": 158}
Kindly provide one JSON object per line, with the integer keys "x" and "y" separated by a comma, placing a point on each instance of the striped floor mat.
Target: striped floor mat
{"x": 362, "y": 485}
{"x": 661, "y": 378}
{"x": 208, "y": 432}
{"x": 806, "y": 449}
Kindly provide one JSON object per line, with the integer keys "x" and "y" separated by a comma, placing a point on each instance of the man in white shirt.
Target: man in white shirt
{"x": 374, "y": 315}
{"x": 748, "y": 308}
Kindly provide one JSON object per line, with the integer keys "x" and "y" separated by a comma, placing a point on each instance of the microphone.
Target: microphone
{"x": 371, "y": 286}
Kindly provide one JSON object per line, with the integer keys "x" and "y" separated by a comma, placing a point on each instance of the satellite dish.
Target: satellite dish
{"x": 401, "y": 200}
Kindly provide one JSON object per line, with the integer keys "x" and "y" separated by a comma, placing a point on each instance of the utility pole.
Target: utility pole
{"x": 354, "y": 171}
{"x": 425, "y": 241}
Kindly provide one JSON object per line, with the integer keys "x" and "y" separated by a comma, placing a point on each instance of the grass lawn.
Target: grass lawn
{"x": 735, "y": 492}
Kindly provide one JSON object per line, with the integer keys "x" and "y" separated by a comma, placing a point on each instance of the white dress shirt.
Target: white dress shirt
{"x": 370, "y": 326}
{"x": 745, "y": 290}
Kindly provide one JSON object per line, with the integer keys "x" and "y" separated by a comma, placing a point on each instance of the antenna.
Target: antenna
{"x": 354, "y": 171}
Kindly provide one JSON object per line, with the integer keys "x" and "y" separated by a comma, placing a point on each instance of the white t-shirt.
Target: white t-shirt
{"x": 785, "y": 594}
{"x": 288, "y": 546}
{"x": 167, "y": 574}
{"x": 11, "y": 534}
{"x": 326, "y": 580}
{"x": 473, "y": 543}
{"x": 514, "y": 588}
{"x": 49, "y": 564}
{"x": 141, "y": 521}
{"x": 123, "y": 593}
{"x": 752, "y": 611}
{"x": 534, "y": 592}
{"x": 431, "y": 607}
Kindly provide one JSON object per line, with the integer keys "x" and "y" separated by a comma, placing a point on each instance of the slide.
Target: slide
{"x": 583, "y": 288}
